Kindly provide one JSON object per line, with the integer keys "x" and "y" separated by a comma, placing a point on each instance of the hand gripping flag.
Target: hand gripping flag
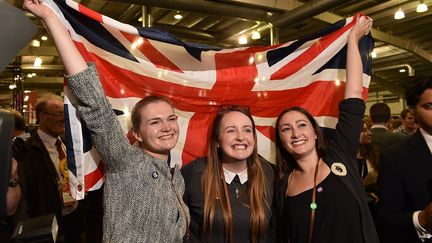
{"x": 134, "y": 62}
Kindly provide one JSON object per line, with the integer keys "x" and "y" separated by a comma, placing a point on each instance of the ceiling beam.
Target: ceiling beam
{"x": 307, "y": 10}
{"x": 38, "y": 51}
{"x": 386, "y": 38}
{"x": 396, "y": 90}
{"x": 206, "y": 7}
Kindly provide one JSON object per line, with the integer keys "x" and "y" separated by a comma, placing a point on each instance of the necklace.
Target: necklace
{"x": 313, "y": 204}
{"x": 237, "y": 187}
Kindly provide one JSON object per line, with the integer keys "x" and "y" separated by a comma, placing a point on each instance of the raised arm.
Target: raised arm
{"x": 354, "y": 67}
{"x": 83, "y": 81}
{"x": 69, "y": 54}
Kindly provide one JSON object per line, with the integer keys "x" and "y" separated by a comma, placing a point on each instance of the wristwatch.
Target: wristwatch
{"x": 13, "y": 182}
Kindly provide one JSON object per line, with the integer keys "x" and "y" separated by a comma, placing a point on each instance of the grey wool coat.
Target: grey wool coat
{"x": 142, "y": 199}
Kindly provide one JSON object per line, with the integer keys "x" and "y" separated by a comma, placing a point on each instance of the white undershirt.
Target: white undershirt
{"x": 421, "y": 232}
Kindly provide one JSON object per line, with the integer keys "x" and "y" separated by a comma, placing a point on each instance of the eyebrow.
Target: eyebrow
{"x": 287, "y": 124}
{"x": 160, "y": 119}
{"x": 233, "y": 126}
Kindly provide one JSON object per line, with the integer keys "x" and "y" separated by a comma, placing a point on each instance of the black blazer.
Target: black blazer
{"x": 404, "y": 183}
{"x": 41, "y": 181}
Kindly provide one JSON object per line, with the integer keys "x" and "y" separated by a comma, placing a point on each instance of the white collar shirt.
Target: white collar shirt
{"x": 229, "y": 176}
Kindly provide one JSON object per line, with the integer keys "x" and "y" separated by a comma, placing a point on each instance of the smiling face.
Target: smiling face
{"x": 236, "y": 137}
{"x": 297, "y": 134}
{"x": 158, "y": 131}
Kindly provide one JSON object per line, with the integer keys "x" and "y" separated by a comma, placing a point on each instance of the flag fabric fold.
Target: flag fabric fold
{"x": 134, "y": 62}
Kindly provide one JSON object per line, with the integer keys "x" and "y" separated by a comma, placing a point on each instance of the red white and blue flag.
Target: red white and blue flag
{"x": 134, "y": 62}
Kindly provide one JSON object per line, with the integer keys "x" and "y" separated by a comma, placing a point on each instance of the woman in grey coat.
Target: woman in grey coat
{"x": 143, "y": 195}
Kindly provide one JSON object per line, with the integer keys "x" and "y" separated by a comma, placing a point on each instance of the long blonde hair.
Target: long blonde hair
{"x": 215, "y": 189}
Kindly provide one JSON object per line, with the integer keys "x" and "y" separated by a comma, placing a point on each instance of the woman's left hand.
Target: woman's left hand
{"x": 361, "y": 28}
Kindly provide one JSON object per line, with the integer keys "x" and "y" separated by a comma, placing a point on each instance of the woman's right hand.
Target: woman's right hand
{"x": 37, "y": 8}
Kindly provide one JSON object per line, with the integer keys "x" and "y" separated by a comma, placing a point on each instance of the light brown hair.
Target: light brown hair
{"x": 215, "y": 189}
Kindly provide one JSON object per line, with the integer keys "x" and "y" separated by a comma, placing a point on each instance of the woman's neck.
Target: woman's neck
{"x": 307, "y": 164}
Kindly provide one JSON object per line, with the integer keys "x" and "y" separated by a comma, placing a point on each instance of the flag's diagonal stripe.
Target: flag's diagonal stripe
{"x": 157, "y": 58}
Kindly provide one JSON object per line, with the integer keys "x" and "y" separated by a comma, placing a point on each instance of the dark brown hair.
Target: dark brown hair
{"x": 215, "y": 189}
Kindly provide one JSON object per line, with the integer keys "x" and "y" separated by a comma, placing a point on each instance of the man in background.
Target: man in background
{"x": 408, "y": 126}
{"x": 46, "y": 171}
{"x": 382, "y": 137}
{"x": 405, "y": 180}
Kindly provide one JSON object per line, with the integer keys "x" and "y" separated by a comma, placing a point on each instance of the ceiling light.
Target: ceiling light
{"x": 399, "y": 14}
{"x": 255, "y": 35}
{"x": 12, "y": 86}
{"x": 374, "y": 54}
{"x": 27, "y": 91}
{"x": 178, "y": 16}
{"x": 37, "y": 62}
{"x": 421, "y": 7}
{"x": 35, "y": 43}
{"x": 33, "y": 74}
{"x": 44, "y": 38}
{"x": 29, "y": 75}
{"x": 242, "y": 40}
{"x": 140, "y": 19}
{"x": 402, "y": 70}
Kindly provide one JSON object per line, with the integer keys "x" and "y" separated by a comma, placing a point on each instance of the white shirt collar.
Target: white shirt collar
{"x": 428, "y": 138}
{"x": 46, "y": 138}
{"x": 379, "y": 126}
{"x": 229, "y": 176}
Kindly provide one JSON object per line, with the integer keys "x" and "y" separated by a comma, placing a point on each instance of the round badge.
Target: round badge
{"x": 339, "y": 169}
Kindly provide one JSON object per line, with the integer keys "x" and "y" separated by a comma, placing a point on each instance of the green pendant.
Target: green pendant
{"x": 313, "y": 206}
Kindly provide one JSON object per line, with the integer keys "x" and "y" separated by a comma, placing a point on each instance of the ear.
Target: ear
{"x": 137, "y": 136}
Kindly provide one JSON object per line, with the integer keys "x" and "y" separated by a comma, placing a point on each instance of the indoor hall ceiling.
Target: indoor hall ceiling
{"x": 399, "y": 44}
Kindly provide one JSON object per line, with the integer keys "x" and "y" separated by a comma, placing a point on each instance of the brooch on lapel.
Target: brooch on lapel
{"x": 338, "y": 169}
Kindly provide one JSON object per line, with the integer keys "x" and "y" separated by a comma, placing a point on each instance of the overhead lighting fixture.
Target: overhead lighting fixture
{"x": 44, "y": 38}
{"x": 29, "y": 75}
{"x": 37, "y": 62}
{"x": 12, "y": 86}
{"x": 402, "y": 70}
{"x": 399, "y": 14}
{"x": 35, "y": 43}
{"x": 422, "y": 7}
{"x": 255, "y": 35}
{"x": 242, "y": 40}
{"x": 140, "y": 19}
{"x": 27, "y": 91}
{"x": 178, "y": 16}
{"x": 374, "y": 54}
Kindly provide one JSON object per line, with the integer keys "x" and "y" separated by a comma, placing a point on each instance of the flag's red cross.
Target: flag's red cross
{"x": 235, "y": 78}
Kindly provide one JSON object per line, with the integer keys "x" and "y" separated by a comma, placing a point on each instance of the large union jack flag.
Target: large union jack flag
{"x": 134, "y": 62}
